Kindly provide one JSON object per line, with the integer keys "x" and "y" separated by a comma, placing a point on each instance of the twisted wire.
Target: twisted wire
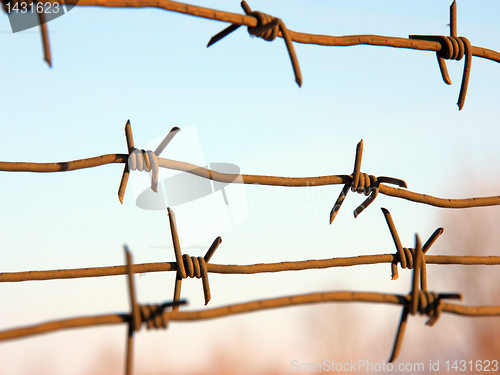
{"x": 147, "y": 161}
{"x": 153, "y": 316}
{"x": 406, "y": 256}
{"x": 362, "y": 183}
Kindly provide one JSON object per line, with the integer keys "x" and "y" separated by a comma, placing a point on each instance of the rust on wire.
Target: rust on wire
{"x": 156, "y": 316}
{"x": 419, "y": 300}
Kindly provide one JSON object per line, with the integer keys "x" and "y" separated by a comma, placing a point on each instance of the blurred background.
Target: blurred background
{"x": 153, "y": 67}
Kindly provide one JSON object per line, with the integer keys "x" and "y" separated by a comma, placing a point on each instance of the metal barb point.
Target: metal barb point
{"x": 267, "y": 28}
{"x": 45, "y": 35}
{"x": 407, "y": 257}
{"x": 126, "y": 171}
{"x": 362, "y": 183}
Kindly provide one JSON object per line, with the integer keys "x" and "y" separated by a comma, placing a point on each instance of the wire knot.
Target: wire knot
{"x": 267, "y": 28}
{"x": 142, "y": 160}
{"x": 406, "y": 257}
{"x": 362, "y": 183}
{"x": 192, "y": 267}
{"x": 195, "y": 267}
{"x": 452, "y": 48}
{"x": 147, "y": 161}
{"x": 153, "y": 316}
{"x": 428, "y": 303}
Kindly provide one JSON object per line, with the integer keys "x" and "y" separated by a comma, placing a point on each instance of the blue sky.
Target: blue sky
{"x": 153, "y": 67}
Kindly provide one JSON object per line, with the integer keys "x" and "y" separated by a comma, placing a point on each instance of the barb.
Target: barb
{"x": 251, "y": 21}
{"x": 246, "y": 179}
{"x": 44, "y": 33}
{"x": 267, "y": 28}
{"x": 10, "y": 5}
{"x": 420, "y": 300}
{"x": 190, "y": 266}
{"x": 404, "y": 255}
{"x": 151, "y": 314}
{"x": 453, "y": 48}
{"x": 142, "y": 160}
{"x": 362, "y": 183}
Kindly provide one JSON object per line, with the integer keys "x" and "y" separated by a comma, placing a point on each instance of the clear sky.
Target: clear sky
{"x": 153, "y": 67}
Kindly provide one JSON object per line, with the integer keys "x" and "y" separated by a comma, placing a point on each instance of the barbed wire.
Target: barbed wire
{"x": 403, "y": 256}
{"x": 269, "y": 27}
{"x": 359, "y": 182}
{"x": 420, "y": 300}
{"x": 155, "y": 316}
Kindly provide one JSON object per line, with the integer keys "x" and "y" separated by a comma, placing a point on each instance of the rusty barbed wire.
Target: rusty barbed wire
{"x": 219, "y": 312}
{"x": 404, "y": 256}
{"x": 159, "y": 315}
{"x": 269, "y": 27}
{"x": 362, "y": 182}
{"x": 155, "y": 316}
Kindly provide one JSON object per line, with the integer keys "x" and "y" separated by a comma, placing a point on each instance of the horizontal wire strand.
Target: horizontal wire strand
{"x": 242, "y": 269}
{"x": 298, "y": 37}
{"x": 248, "y": 179}
{"x": 341, "y": 296}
